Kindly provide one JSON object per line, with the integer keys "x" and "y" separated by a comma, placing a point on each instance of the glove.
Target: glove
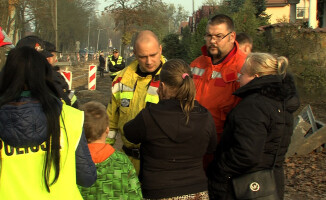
{"x": 110, "y": 139}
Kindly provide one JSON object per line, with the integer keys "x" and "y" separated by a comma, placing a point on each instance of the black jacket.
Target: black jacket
{"x": 102, "y": 63}
{"x": 61, "y": 86}
{"x": 253, "y": 130}
{"x": 171, "y": 151}
{"x": 116, "y": 67}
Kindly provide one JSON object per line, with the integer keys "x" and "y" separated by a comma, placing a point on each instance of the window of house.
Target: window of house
{"x": 301, "y": 12}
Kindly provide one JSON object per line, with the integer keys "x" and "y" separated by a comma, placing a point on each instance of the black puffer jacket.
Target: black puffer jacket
{"x": 252, "y": 133}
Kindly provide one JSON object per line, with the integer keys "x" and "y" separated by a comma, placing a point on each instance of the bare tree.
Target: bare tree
{"x": 125, "y": 16}
{"x": 4, "y": 8}
{"x": 179, "y": 15}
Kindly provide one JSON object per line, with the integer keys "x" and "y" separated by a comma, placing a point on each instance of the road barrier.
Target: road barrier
{"x": 68, "y": 77}
{"x": 92, "y": 77}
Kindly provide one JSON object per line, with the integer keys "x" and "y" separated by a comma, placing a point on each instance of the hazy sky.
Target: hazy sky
{"x": 187, "y": 4}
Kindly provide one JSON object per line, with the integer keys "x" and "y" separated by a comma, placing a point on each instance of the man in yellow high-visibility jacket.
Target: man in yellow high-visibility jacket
{"x": 134, "y": 88}
{"x": 116, "y": 63}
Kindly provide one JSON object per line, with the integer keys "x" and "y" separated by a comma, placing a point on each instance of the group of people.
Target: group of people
{"x": 188, "y": 130}
{"x": 43, "y": 148}
{"x": 227, "y": 114}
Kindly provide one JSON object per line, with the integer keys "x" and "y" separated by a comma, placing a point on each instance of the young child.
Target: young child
{"x": 116, "y": 176}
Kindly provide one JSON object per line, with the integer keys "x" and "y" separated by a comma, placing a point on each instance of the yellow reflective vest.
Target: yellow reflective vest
{"x": 119, "y": 61}
{"x": 130, "y": 93}
{"x": 21, "y": 174}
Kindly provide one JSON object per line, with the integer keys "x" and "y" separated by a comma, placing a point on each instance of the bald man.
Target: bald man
{"x": 134, "y": 88}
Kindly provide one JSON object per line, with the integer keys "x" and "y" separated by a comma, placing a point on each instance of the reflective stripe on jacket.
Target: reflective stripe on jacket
{"x": 22, "y": 168}
{"x": 114, "y": 73}
{"x": 216, "y": 83}
{"x": 130, "y": 93}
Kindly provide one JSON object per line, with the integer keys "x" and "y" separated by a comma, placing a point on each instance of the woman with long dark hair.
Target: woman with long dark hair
{"x": 175, "y": 134}
{"x": 42, "y": 148}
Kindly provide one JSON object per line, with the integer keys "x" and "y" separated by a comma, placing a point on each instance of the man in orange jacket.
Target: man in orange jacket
{"x": 216, "y": 71}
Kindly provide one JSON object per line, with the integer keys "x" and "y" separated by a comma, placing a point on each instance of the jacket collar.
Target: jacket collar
{"x": 257, "y": 84}
{"x": 274, "y": 87}
{"x": 130, "y": 75}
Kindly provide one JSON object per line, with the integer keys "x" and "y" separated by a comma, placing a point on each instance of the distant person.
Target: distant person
{"x": 134, "y": 88}
{"x": 5, "y": 46}
{"x": 38, "y": 44}
{"x": 216, "y": 71}
{"x": 102, "y": 64}
{"x": 52, "y": 49}
{"x": 116, "y": 63}
{"x": 67, "y": 95}
{"x": 174, "y": 134}
{"x": 245, "y": 42}
{"x": 258, "y": 128}
{"x": 117, "y": 178}
{"x": 43, "y": 148}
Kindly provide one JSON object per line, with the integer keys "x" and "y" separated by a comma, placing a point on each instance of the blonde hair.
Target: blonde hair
{"x": 177, "y": 75}
{"x": 96, "y": 120}
{"x": 265, "y": 64}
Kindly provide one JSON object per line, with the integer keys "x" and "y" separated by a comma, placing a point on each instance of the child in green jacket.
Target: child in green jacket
{"x": 116, "y": 176}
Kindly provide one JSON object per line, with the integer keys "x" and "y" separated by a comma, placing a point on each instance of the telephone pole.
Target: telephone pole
{"x": 56, "y": 23}
{"x": 193, "y": 6}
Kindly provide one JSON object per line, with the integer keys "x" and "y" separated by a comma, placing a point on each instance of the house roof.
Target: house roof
{"x": 270, "y": 26}
{"x": 276, "y": 3}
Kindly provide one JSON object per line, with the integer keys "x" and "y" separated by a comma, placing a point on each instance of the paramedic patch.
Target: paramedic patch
{"x": 125, "y": 102}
